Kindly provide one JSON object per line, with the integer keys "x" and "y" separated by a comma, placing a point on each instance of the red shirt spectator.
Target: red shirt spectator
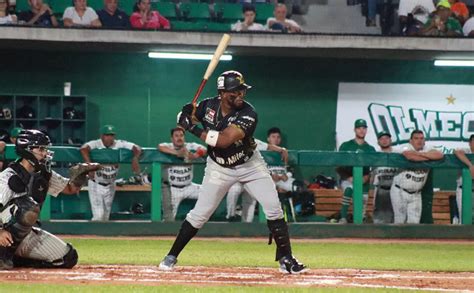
{"x": 144, "y": 18}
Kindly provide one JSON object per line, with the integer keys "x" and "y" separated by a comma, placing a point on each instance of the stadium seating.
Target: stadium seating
{"x": 166, "y": 9}
{"x": 96, "y": 4}
{"x": 228, "y": 12}
{"x": 22, "y": 5}
{"x": 264, "y": 11}
{"x": 195, "y": 11}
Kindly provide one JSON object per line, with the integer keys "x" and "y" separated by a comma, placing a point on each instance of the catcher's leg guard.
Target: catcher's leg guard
{"x": 68, "y": 261}
{"x": 279, "y": 232}
{"x": 186, "y": 233}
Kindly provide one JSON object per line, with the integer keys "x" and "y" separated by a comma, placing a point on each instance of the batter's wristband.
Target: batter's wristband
{"x": 196, "y": 131}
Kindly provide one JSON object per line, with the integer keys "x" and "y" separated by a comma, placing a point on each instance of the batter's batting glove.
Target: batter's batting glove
{"x": 185, "y": 121}
{"x": 188, "y": 109}
{"x": 78, "y": 173}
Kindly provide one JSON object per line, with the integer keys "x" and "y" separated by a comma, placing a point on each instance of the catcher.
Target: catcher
{"x": 23, "y": 188}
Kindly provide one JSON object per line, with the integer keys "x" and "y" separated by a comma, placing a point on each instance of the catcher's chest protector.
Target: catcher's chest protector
{"x": 36, "y": 185}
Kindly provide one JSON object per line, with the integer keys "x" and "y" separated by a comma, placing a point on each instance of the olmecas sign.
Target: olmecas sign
{"x": 444, "y": 112}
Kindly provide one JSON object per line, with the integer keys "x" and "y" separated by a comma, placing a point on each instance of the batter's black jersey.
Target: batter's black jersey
{"x": 208, "y": 112}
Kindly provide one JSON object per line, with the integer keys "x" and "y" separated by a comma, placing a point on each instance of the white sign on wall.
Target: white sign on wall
{"x": 445, "y": 113}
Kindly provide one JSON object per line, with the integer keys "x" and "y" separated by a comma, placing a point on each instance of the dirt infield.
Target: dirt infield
{"x": 150, "y": 275}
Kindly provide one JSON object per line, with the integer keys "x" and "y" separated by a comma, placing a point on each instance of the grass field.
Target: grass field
{"x": 425, "y": 256}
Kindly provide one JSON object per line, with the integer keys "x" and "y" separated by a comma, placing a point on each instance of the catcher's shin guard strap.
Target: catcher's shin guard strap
{"x": 186, "y": 233}
{"x": 279, "y": 230}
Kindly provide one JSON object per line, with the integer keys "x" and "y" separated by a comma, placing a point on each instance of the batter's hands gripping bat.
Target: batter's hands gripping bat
{"x": 210, "y": 69}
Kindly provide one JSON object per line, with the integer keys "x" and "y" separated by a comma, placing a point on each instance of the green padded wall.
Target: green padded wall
{"x": 141, "y": 96}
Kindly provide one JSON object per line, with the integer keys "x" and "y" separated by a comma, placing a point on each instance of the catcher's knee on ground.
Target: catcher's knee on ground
{"x": 68, "y": 261}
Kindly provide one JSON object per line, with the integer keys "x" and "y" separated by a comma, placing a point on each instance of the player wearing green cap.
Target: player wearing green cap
{"x": 101, "y": 185}
{"x": 357, "y": 145}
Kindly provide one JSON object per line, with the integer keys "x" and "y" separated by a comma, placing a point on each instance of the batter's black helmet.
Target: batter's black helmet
{"x": 29, "y": 139}
{"x": 231, "y": 81}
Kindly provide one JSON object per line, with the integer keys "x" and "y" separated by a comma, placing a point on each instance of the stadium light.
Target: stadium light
{"x": 187, "y": 56}
{"x": 462, "y": 63}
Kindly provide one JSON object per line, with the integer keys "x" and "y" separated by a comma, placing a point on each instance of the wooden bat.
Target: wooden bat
{"x": 210, "y": 68}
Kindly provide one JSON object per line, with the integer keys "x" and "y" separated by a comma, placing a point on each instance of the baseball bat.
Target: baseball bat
{"x": 212, "y": 65}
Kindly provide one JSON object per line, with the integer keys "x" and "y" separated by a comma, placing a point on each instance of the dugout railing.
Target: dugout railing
{"x": 302, "y": 158}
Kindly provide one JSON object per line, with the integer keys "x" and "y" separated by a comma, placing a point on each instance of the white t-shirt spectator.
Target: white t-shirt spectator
{"x": 468, "y": 26}
{"x": 86, "y": 20}
{"x": 423, "y": 7}
{"x": 289, "y": 21}
{"x": 7, "y": 20}
{"x": 238, "y": 26}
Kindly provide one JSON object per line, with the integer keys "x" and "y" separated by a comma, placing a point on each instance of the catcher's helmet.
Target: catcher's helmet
{"x": 231, "y": 81}
{"x": 27, "y": 140}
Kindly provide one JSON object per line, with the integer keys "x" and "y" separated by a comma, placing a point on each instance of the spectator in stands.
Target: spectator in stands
{"x": 440, "y": 23}
{"x": 248, "y": 24}
{"x": 113, "y": 17}
{"x": 5, "y": 16}
{"x": 372, "y": 12}
{"x": 145, "y": 18}
{"x": 468, "y": 28}
{"x": 280, "y": 22}
{"x": 413, "y": 14}
{"x": 459, "y": 10}
{"x": 80, "y": 15}
{"x": 40, "y": 14}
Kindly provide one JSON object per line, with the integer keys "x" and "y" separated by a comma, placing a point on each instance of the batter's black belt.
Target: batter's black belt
{"x": 384, "y": 187}
{"x": 407, "y": 191}
{"x": 100, "y": 183}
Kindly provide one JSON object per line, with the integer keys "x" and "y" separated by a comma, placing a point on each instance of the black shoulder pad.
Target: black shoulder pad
{"x": 16, "y": 184}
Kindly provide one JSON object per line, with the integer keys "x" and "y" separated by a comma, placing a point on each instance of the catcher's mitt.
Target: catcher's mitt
{"x": 78, "y": 173}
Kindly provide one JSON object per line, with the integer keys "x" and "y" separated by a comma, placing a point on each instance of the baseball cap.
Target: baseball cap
{"x": 15, "y": 131}
{"x": 444, "y": 3}
{"x": 382, "y": 133}
{"x": 360, "y": 123}
{"x": 108, "y": 129}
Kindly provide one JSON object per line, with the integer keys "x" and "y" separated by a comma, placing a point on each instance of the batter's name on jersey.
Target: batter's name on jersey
{"x": 230, "y": 160}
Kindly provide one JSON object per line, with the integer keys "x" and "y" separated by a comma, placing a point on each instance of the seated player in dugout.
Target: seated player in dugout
{"x": 24, "y": 186}
{"x": 228, "y": 124}
{"x": 11, "y": 141}
{"x": 357, "y": 145}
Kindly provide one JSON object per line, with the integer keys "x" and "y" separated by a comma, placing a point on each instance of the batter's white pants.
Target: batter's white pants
{"x": 406, "y": 206}
{"x": 248, "y": 203}
{"x": 178, "y": 194}
{"x": 255, "y": 178}
{"x": 101, "y": 198}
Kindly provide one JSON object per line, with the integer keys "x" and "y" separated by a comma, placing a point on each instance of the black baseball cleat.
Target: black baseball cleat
{"x": 290, "y": 265}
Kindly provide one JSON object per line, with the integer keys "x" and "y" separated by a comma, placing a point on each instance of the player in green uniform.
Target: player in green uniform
{"x": 357, "y": 145}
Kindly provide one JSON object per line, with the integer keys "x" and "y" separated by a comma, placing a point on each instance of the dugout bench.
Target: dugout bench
{"x": 302, "y": 158}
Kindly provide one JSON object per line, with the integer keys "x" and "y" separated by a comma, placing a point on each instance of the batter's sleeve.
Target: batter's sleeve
{"x": 57, "y": 183}
{"x": 247, "y": 121}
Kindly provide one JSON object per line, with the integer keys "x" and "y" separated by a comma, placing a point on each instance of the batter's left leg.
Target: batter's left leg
{"x": 248, "y": 207}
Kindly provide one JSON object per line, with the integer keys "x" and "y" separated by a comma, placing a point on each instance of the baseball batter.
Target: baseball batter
{"x": 382, "y": 180}
{"x": 179, "y": 178}
{"x": 23, "y": 189}
{"x": 461, "y": 155}
{"x": 229, "y": 123}
{"x": 405, "y": 192}
{"x": 101, "y": 185}
{"x": 358, "y": 145}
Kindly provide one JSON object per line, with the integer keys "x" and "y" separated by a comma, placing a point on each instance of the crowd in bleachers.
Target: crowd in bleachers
{"x": 151, "y": 14}
{"x": 420, "y": 17}
{"x": 397, "y": 17}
